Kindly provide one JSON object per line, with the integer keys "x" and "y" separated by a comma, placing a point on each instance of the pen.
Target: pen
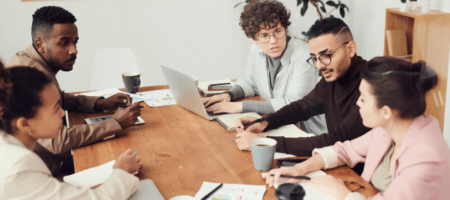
{"x": 212, "y": 192}
{"x": 294, "y": 177}
{"x": 133, "y": 154}
{"x": 124, "y": 106}
{"x": 256, "y": 121}
{"x": 219, "y": 84}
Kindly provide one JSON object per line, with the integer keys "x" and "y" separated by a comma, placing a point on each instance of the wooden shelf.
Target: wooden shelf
{"x": 428, "y": 39}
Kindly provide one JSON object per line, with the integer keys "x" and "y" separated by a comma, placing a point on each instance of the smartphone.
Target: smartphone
{"x": 287, "y": 163}
{"x": 102, "y": 118}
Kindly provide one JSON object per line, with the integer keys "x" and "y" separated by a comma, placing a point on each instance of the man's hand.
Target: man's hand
{"x": 255, "y": 128}
{"x": 244, "y": 138}
{"x": 112, "y": 102}
{"x": 126, "y": 117}
{"x": 217, "y": 98}
{"x": 226, "y": 107}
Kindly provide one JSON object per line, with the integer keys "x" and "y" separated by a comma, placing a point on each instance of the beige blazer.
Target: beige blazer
{"x": 23, "y": 175}
{"x": 54, "y": 151}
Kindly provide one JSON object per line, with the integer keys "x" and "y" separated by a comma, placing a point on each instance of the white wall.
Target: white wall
{"x": 369, "y": 23}
{"x": 199, "y": 37}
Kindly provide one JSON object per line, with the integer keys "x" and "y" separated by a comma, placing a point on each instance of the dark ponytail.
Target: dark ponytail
{"x": 426, "y": 78}
{"x": 400, "y": 84}
{"x": 20, "y": 89}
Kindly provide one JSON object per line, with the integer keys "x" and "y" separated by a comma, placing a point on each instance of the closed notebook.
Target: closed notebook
{"x": 229, "y": 121}
{"x": 204, "y": 85}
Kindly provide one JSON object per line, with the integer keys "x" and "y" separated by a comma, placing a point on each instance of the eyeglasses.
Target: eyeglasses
{"x": 351, "y": 185}
{"x": 279, "y": 34}
{"x": 324, "y": 58}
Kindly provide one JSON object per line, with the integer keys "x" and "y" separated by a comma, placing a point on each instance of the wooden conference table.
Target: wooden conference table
{"x": 180, "y": 150}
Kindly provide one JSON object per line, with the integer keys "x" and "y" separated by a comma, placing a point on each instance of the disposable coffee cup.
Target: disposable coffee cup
{"x": 263, "y": 152}
{"x": 132, "y": 81}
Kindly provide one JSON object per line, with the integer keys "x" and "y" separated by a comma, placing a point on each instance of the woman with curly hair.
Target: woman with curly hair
{"x": 30, "y": 110}
{"x": 276, "y": 70}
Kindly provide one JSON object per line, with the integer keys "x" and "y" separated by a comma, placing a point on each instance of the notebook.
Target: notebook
{"x": 204, "y": 85}
{"x": 91, "y": 177}
{"x": 229, "y": 120}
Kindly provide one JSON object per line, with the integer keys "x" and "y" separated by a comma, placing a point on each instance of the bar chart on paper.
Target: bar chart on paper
{"x": 232, "y": 191}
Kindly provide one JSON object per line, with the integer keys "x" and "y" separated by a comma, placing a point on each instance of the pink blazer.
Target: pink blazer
{"x": 422, "y": 169}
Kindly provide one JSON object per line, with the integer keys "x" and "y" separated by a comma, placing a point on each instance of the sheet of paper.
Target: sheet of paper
{"x": 146, "y": 190}
{"x": 92, "y": 176}
{"x": 232, "y": 191}
{"x": 112, "y": 91}
{"x": 157, "y": 98}
{"x": 311, "y": 193}
{"x": 104, "y": 93}
{"x": 288, "y": 131}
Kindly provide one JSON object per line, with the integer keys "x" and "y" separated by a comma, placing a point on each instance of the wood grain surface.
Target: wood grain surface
{"x": 180, "y": 150}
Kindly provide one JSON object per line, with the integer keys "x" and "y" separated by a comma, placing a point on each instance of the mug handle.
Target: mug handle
{"x": 137, "y": 82}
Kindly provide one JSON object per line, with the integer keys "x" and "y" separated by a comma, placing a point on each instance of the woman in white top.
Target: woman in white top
{"x": 30, "y": 111}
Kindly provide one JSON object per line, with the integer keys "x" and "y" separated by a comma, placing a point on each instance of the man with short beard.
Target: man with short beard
{"x": 55, "y": 37}
{"x": 333, "y": 52}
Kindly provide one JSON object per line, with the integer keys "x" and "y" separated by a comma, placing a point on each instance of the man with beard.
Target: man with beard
{"x": 333, "y": 52}
{"x": 55, "y": 37}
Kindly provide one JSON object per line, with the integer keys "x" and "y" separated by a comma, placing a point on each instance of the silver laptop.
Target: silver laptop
{"x": 186, "y": 94}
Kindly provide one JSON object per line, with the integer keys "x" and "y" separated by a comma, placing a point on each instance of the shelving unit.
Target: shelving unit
{"x": 428, "y": 39}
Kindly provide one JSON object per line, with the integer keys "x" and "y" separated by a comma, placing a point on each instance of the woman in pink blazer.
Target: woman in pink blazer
{"x": 405, "y": 154}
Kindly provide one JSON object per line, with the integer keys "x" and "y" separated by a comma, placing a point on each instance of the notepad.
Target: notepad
{"x": 91, "y": 177}
{"x": 229, "y": 120}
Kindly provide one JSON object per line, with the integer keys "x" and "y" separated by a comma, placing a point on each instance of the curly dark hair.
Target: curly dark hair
{"x": 20, "y": 89}
{"x": 266, "y": 12}
{"x": 45, "y": 17}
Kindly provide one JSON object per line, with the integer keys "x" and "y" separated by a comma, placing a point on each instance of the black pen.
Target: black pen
{"x": 219, "y": 84}
{"x": 124, "y": 106}
{"x": 294, "y": 177}
{"x": 252, "y": 122}
{"x": 212, "y": 192}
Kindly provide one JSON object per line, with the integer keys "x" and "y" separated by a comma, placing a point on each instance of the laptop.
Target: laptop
{"x": 185, "y": 92}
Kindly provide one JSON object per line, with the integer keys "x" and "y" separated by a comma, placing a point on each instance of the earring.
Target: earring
{"x": 30, "y": 133}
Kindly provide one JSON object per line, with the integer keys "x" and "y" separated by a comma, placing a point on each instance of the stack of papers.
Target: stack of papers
{"x": 157, "y": 98}
{"x": 232, "y": 191}
{"x": 91, "y": 177}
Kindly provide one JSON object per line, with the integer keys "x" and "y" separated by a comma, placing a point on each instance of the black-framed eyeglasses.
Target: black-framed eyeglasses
{"x": 279, "y": 34}
{"x": 352, "y": 185}
{"x": 324, "y": 58}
